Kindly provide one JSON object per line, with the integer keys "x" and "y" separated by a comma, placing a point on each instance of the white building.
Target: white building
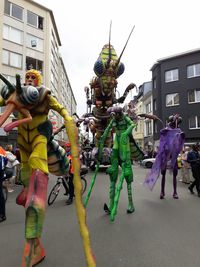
{"x": 30, "y": 39}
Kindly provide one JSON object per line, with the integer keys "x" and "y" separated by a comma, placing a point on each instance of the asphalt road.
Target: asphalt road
{"x": 161, "y": 233}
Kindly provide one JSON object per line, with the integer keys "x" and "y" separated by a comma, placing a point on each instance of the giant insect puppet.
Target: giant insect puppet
{"x": 171, "y": 143}
{"x": 103, "y": 89}
{"x": 124, "y": 150}
{"x": 33, "y": 102}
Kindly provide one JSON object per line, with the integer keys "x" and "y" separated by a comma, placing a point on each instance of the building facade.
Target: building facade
{"x": 147, "y": 109}
{"x": 138, "y": 133}
{"x": 30, "y": 39}
{"x": 176, "y": 89}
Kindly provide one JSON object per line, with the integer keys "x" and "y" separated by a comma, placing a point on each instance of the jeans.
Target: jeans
{"x": 2, "y": 201}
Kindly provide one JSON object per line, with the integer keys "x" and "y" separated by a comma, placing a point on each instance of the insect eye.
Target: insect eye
{"x": 99, "y": 68}
{"x": 120, "y": 69}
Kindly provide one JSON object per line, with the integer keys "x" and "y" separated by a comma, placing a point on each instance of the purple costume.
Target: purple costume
{"x": 171, "y": 143}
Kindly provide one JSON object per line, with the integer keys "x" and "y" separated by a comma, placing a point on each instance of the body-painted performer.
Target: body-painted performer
{"x": 33, "y": 103}
{"x": 171, "y": 143}
{"x": 121, "y": 156}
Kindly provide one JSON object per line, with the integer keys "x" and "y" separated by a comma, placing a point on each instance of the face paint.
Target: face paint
{"x": 31, "y": 79}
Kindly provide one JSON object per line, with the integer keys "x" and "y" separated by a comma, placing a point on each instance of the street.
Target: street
{"x": 160, "y": 233}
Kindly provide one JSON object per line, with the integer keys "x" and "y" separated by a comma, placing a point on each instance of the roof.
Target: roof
{"x": 175, "y": 56}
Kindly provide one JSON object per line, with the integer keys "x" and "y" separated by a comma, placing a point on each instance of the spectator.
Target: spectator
{"x": 185, "y": 170}
{"x": 3, "y": 162}
{"x": 11, "y": 168}
{"x": 18, "y": 167}
{"x": 194, "y": 159}
{"x": 69, "y": 201}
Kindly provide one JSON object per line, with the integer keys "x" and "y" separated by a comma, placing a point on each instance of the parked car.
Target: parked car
{"x": 148, "y": 163}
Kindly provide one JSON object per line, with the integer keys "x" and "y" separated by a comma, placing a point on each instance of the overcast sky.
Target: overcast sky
{"x": 162, "y": 29}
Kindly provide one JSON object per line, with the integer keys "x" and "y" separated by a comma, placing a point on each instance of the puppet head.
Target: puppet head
{"x": 174, "y": 120}
{"x": 33, "y": 77}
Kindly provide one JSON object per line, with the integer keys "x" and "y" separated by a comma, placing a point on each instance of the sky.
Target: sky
{"x": 162, "y": 29}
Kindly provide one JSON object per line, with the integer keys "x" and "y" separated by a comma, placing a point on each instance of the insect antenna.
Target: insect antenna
{"x": 125, "y": 46}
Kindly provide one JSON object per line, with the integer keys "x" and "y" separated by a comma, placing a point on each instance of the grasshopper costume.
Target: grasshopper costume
{"x": 33, "y": 103}
{"x": 121, "y": 155}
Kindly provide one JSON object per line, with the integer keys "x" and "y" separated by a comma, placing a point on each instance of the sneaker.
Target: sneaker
{"x": 191, "y": 190}
{"x": 106, "y": 209}
{"x": 10, "y": 190}
{"x": 175, "y": 196}
{"x": 69, "y": 201}
{"x": 162, "y": 195}
{"x": 2, "y": 218}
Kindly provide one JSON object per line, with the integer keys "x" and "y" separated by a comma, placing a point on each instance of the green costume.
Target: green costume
{"x": 121, "y": 155}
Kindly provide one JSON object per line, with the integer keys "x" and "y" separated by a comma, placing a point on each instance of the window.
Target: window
{"x": 11, "y": 79}
{"x": 193, "y": 70}
{"x": 12, "y": 59}
{"x": 194, "y": 96}
{"x": 172, "y": 99}
{"x": 34, "y": 42}
{"x": 154, "y": 104}
{"x": 54, "y": 55}
{"x": 34, "y": 20}
{"x": 12, "y": 34}
{"x": 154, "y": 83}
{"x": 194, "y": 122}
{"x": 13, "y": 10}
{"x": 148, "y": 127}
{"x": 171, "y": 75}
{"x": 155, "y": 126}
{"x": 148, "y": 107}
{"x": 52, "y": 77}
{"x": 33, "y": 63}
